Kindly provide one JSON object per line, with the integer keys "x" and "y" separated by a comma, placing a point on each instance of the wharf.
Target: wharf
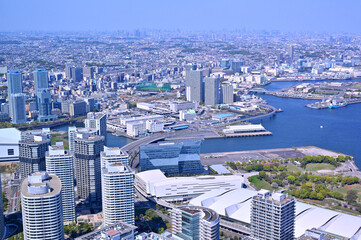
{"x": 248, "y": 134}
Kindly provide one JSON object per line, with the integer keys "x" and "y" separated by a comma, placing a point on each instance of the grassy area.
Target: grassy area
{"x": 344, "y": 190}
{"x": 293, "y": 168}
{"x": 319, "y": 166}
{"x": 261, "y": 184}
{"x": 60, "y": 138}
{"x": 8, "y": 167}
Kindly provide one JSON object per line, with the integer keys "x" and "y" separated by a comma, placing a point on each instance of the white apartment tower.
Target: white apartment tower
{"x": 60, "y": 163}
{"x": 117, "y": 193}
{"x": 190, "y": 222}
{"x": 272, "y": 216}
{"x": 97, "y": 121}
{"x": 42, "y": 207}
{"x": 113, "y": 155}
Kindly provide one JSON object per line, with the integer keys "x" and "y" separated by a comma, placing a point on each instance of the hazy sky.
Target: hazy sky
{"x": 85, "y": 15}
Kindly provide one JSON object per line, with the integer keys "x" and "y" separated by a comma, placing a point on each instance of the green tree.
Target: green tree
{"x": 351, "y": 196}
{"x": 291, "y": 179}
{"x": 313, "y": 195}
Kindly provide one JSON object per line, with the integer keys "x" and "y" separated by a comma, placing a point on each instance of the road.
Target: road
{"x": 15, "y": 193}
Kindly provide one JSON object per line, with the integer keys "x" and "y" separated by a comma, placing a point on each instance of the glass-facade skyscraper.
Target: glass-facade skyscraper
{"x": 16, "y": 97}
{"x": 43, "y": 96}
{"x": 211, "y": 93}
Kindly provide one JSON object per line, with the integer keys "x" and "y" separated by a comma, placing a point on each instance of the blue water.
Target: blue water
{"x": 300, "y": 126}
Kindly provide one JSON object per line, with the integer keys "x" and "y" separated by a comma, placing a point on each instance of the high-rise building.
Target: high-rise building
{"x": 2, "y": 222}
{"x": 60, "y": 162}
{"x": 41, "y": 79}
{"x": 77, "y": 108}
{"x": 32, "y": 150}
{"x": 77, "y": 74}
{"x": 97, "y": 121}
{"x": 227, "y": 94}
{"x": 68, "y": 72}
{"x": 17, "y": 108}
{"x": 71, "y": 137}
{"x": 194, "y": 84}
{"x": 16, "y": 98}
{"x": 211, "y": 93}
{"x": 88, "y": 72}
{"x": 87, "y": 150}
{"x": 290, "y": 52}
{"x": 14, "y": 79}
{"x": 272, "y": 216}
{"x": 225, "y": 63}
{"x": 118, "y": 193}
{"x": 236, "y": 66}
{"x": 190, "y": 222}
{"x": 43, "y": 96}
{"x": 41, "y": 207}
{"x": 113, "y": 155}
{"x": 172, "y": 157}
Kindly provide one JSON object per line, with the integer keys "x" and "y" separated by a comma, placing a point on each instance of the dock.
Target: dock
{"x": 248, "y": 134}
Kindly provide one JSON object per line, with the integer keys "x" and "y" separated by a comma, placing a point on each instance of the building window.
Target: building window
{"x": 10, "y": 152}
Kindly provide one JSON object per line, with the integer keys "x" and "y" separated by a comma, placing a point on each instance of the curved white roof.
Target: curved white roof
{"x": 314, "y": 217}
{"x": 237, "y": 203}
{"x": 344, "y": 225}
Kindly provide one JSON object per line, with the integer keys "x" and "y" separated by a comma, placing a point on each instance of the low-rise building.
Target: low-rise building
{"x": 155, "y": 184}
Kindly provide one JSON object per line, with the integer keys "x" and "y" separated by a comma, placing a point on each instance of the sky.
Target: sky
{"x": 187, "y": 15}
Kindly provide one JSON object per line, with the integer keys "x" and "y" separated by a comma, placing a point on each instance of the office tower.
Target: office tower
{"x": 43, "y": 96}
{"x": 227, "y": 94}
{"x": 41, "y": 207}
{"x": 60, "y": 163}
{"x": 14, "y": 79}
{"x": 17, "y": 108}
{"x": 189, "y": 222}
{"x": 16, "y": 98}
{"x": 236, "y": 66}
{"x": 211, "y": 93}
{"x": 90, "y": 104}
{"x": 32, "y": 150}
{"x": 68, "y": 72}
{"x": 225, "y": 63}
{"x": 172, "y": 157}
{"x": 194, "y": 80}
{"x": 2, "y": 221}
{"x": 88, "y": 72}
{"x": 77, "y": 108}
{"x": 272, "y": 216}
{"x": 118, "y": 193}
{"x": 113, "y": 155}
{"x": 41, "y": 79}
{"x": 77, "y": 74}
{"x": 87, "y": 150}
{"x": 97, "y": 121}
{"x": 290, "y": 52}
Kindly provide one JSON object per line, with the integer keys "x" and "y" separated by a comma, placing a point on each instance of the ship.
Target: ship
{"x": 337, "y": 104}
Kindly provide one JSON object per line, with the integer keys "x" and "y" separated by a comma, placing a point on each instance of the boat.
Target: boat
{"x": 337, "y": 105}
